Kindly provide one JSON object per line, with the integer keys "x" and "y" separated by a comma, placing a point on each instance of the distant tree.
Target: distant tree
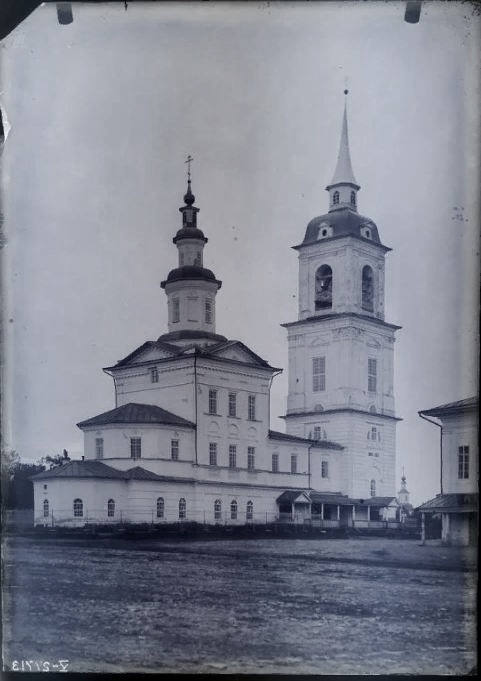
{"x": 56, "y": 460}
{"x": 17, "y": 488}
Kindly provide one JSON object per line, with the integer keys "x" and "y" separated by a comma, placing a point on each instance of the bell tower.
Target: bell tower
{"x": 341, "y": 349}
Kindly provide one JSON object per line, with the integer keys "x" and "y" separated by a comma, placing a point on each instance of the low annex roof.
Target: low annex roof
{"x": 331, "y": 498}
{"x": 291, "y": 495}
{"x": 322, "y": 444}
{"x": 460, "y": 503}
{"x": 81, "y": 469}
{"x": 136, "y": 413}
{"x": 458, "y": 407}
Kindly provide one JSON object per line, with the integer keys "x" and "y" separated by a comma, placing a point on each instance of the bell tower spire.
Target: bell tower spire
{"x": 343, "y": 188}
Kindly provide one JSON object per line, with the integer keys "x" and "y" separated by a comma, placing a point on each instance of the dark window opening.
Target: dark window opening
{"x": 323, "y": 288}
{"x": 367, "y": 288}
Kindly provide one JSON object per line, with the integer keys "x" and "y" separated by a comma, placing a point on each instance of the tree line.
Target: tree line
{"x": 17, "y": 487}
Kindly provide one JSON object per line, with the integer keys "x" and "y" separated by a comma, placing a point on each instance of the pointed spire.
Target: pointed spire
{"x": 344, "y": 173}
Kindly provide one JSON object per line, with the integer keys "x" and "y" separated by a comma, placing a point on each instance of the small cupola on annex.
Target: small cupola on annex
{"x": 190, "y": 287}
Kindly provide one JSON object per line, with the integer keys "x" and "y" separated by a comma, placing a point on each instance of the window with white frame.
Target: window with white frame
{"x": 135, "y": 447}
{"x": 463, "y": 462}
{"x": 160, "y": 507}
{"x": 212, "y": 401}
{"x": 317, "y": 432}
{"x": 175, "y": 310}
{"x": 182, "y": 509}
{"x": 217, "y": 509}
{"x": 233, "y": 509}
{"x": 232, "y": 456}
{"x": 372, "y": 375}
{"x": 324, "y": 469}
{"x": 232, "y": 404}
{"x": 208, "y": 311}
{"x": 78, "y": 508}
{"x": 154, "y": 375}
{"x": 110, "y": 508}
{"x": 174, "y": 450}
{"x": 99, "y": 447}
{"x": 251, "y": 407}
{"x": 251, "y": 458}
{"x": 318, "y": 374}
{"x": 335, "y": 198}
{"x": 45, "y": 508}
{"x": 275, "y": 463}
{"x": 250, "y": 510}
{"x": 293, "y": 463}
{"x": 212, "y": 453}
{"x": 373, "y": 488}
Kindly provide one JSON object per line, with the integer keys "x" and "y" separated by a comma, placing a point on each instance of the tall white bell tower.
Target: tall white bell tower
{"x": 341, "y": 350}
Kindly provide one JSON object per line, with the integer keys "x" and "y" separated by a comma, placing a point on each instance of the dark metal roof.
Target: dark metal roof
{"x": 343, "y": 222}
{"x": 455, "y": 503}
{"x": 331, "y": 498}
{"x": 139, "y": 473}
{"x": 189, "y": 233}
{"x": 81, "y": 469}
{"x": 189, "y": 334}
{"x": 338, "y": 315}
{"x": 190, "y": 272}
{"x": 381, "y": 502}
{"x": 322, "y": 444}
{"x": 289, "y": 496}
{"x": 451, "y": 408}
{"x": 136, "y": 413}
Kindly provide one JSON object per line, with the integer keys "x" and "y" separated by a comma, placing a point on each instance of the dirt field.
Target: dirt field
{"x": 357, "y": 606}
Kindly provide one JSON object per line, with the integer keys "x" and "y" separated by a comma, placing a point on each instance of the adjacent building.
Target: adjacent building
{"x": 457, "y": 502}
{"x": 189, "y": 438}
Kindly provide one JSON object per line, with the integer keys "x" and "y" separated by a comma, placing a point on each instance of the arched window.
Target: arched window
{"x": 323, "y": 287}
{"x": 250, "y": 511}
{"x": 182, "y": 509}
{"x": 335, "y": 198}
{"x": 45, "y": 508}
{"x": 217, "y": 509}
{"x": 233, "y": 509}
{"x": 160, "y": 507}
{"x": 110, "y": 508}
{"x": 373, "y": 488}
{"x": 353, "y": 198}
{"x": 78, "y": 508}
{"x": 367, "y": 289}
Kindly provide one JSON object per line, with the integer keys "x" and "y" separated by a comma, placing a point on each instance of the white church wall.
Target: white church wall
{"x": 460, "y": 431}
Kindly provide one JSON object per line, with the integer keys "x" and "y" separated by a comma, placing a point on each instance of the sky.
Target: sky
{"x": 102, "y": 114}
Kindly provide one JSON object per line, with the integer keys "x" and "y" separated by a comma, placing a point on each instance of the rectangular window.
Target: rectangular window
{"x": 251, "y": 458}
{"x": 232, "y": 456}
{"x": 174, "y": 450}
{"x": 324, "y": 469}
{"x": 175, "y": 310}
{"x": 208, "y": 312}
{"x": 154, "y": 375}
{"x": 251, "y": 407}
{"x": 99, "y": 447}
{"x": 212, "y": 453}
{"x": 135, "y": 447}
{"x": 275, "y": 463}
{"x": 232, "y": 404}
{"x": 318, "y": 374}
{"x": 293, "y": 463}
{"x": 372, "y": 375}
{"x": 463, "y": 463}
{"x": 317, "y": 432}
{"x": 212, "y": 401}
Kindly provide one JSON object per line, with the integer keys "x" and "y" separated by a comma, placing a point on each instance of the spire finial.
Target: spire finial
{"x": 189, "y": 198}
{"x": 343, "y": 173}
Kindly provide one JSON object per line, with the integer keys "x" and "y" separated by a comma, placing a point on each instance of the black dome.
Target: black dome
{"x": 190, "y": 272}
{"x": 189, "y": 233}
{"x": 343, "y": 222}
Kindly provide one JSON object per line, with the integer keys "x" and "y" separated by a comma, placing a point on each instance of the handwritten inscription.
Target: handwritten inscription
{"x": 39, "y": 666}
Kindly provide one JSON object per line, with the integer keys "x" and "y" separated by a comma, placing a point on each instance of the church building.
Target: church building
{"x": 189, "y": 438}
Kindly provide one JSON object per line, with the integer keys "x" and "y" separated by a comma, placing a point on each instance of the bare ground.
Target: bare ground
{"x": 327, "y": 606}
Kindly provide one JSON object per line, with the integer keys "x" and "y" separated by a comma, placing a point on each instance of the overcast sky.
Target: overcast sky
{"x": 103, "y": 113}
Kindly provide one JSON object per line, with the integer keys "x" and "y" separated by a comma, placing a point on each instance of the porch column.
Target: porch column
{"x": 368, "y": 514}
{"x": 338, "y": 513}
{"x": 353, "y": 515}
{"x": 322, "y": 511}
{"x": 423, "y": 529}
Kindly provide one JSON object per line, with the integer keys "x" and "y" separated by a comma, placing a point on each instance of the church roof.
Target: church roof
{"x": 190, "y": 272}
{"x": 459, "y": 407}
{"x": 322, "y": 444}
{"x": 136, "y": 413}
{"x": 81, "y": 469}
{"x": 344, "y": 221}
